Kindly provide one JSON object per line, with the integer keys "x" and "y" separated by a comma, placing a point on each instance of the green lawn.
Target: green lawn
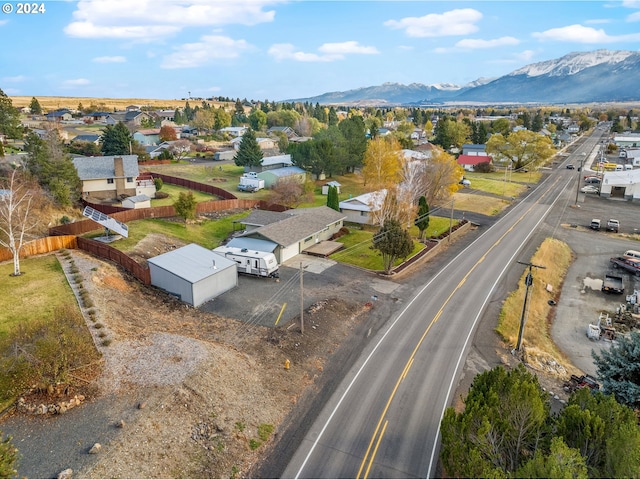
{"x": 174, "y": 192}
{"x": 208, "y": 233}
{"x": 359, "y": 251}
{"x": 36, "y": 294}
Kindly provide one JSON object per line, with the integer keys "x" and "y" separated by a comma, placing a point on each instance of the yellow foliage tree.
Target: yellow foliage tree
{"x": 382, "y": 163}
{"x": 441, "y": 177}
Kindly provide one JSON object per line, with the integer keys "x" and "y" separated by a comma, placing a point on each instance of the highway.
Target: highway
{"x": 383, "y": 420}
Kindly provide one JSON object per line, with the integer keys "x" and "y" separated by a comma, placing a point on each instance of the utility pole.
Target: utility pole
{"x": 528, "y": 282}
{"x": 584, "y": 156}
{"x": 301, "y": 301}
{"x": 451, "y": 220}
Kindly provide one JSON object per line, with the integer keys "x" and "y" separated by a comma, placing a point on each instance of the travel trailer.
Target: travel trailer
{"x": 251, "y": 262}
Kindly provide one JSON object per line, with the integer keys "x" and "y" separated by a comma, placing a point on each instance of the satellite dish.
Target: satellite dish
{"x": 106, "y": 221}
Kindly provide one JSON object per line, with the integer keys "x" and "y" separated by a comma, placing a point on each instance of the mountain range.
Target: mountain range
{"x": 580, "y": 77}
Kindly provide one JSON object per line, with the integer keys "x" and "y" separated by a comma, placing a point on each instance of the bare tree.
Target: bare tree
{"x": 16, "y": 221}
{"x": 395, "y": 203}
{"x": 288, "y": 192}
{"x": 180, "y": 149}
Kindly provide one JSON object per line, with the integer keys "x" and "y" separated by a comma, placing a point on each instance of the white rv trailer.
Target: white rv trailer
{"x": 252, "y": 262}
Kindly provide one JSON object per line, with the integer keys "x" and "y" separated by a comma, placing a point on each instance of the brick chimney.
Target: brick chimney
{"x": 118, "y": 168}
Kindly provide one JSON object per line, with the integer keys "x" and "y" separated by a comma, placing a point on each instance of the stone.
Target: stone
{"x": 121, "y": 424}
{"x": 142, "y": 405}
{"x": 95, "y": 449}
{"x": 65, "y": 473}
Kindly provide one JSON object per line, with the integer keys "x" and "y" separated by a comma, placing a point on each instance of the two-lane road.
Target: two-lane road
{"x": 383, "y": 421}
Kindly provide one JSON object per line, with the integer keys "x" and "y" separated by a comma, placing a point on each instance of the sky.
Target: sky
{"x": 285, "y": 49}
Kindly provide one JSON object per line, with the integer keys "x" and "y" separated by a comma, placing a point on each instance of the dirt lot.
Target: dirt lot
{"x": 210, "y": 386}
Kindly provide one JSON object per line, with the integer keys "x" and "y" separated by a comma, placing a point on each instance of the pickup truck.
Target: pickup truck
{"x": 595, "y": 224}
{"x": 247, "y": 188}
{"x": 613, "y": 225}
{"x": 630, "y": 264}
{"x": 612, "y": 284}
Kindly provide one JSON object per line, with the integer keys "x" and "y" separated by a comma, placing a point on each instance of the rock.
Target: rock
{"x": 142, "y": 405}
{"x": 95, "y": 449}
{"x": 121, "y": 424}
{"x": 65, "y": 473}
{"x": 41, "y": 410}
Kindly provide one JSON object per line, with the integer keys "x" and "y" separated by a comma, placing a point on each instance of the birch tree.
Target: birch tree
{"x": 382, "y": 165}
{"x": 441, "y": 177}
{"x": 16, "y": 221}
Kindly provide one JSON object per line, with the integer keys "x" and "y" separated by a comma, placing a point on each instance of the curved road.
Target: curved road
{"x": 383, "y": 421}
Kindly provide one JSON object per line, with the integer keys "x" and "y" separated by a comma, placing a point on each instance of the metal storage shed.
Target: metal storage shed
{"x": 193, "y": 273}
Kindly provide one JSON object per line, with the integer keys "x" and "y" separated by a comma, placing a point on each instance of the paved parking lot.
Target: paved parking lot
{"x": 581, "y": 300}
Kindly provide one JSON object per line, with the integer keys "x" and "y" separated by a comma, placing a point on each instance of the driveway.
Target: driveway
{"x": 259, "y": 301}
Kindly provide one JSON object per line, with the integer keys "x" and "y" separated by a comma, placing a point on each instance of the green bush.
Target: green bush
{"x": 264, "y": 431}
{"x": 240, "y": 426}
{"x": 254, "y": 444}
{"x": 106, "y": 342}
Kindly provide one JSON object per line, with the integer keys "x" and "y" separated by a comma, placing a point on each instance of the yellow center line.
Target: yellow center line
{"x": 435, "y": 319}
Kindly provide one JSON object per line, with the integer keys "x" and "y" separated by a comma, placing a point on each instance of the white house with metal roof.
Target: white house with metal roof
{"x": 360, "y": 209}
{"x": 193, "y": 273}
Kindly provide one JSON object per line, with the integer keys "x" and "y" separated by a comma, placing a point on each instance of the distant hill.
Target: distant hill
{"x": 579, "y": 77}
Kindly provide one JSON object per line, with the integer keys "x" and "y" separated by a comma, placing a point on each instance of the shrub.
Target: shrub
{"x": 264, "y": 431}
{"x": 74, "y": 269}
{"x": 106, "y": 342}
{"x": 65, "y": 220}
{"x": 160, "y": 195}
{"x": 98, "y": 326}
{"x": 254, "y": 444}
{"x": 88, "y": 303}
{"x": 240, "y": 426}
{"x": 49, "y": 349}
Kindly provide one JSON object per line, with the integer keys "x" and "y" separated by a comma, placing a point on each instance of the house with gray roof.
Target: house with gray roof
{"x": 295, "y": 230}
{"x": 110, "y": 177}
{"x": 362, "y": 209}
{"x": 271, "y": 177}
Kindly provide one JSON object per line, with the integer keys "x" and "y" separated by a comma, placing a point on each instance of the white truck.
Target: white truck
{"x": 251, "y": 262}
{"x": 249, "y": 182}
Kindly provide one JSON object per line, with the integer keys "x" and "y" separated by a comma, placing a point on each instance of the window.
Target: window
{"x": 109, "y": 180}
{"x": 129, "y": 179}
{"x": 363, "y": 213}
{"x": 308, "y": 239}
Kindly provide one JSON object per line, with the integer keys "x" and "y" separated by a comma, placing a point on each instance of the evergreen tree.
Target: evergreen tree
{"x": 619, "y": 369}
{"x": 116, "y": 140}
{"x": 333, "y": 117}
{"x": 537, "y": 123}
{"x": 8, "y": 458}
{"x": 35, "y": 107}
{"x": 9, "y": 117}
{"x": 249, "y": 153}
{"x": 355, "y": 142}
{"x": 393, "y": 242}
{"x": 188, "y": 111}
{"x": 332, "y": 198}
{"x": 52, "y": 166}
{"x": 422, "y": 222}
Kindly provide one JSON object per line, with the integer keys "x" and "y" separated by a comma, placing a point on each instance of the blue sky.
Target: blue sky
{"x": 276, "y": 50}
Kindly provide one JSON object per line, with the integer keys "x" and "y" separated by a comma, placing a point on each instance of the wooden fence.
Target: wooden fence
{"x": 107, "y": 252}
{"x": 200, "y": 187}
{"x": 41, "y": 245}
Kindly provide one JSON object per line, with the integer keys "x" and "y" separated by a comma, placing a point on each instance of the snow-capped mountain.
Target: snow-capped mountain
{"x": 578, "y": 77}
{"x": 573, "y": 63}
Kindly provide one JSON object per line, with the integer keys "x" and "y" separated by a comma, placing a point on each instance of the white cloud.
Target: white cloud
{"x": 76, "y": 82}
{"x": 115, "y": 59}
{"x": 346, "y": 48}
{"x": 207, "y": 50}
{"x": 16, "y": 79}
{"x": 631, "y": 3}
{"x": 598, "y": 21}
{"x": 582, "y": 34}
{"x": 475, "y": 43}
{"x": 634, "y": 17}
{"x": 329, "y": 52}
{"x": 148, "y": 20}
{"x": 454, "y": 22}
{"x": 525, "y": 55}
{"x": 3, "y": 22}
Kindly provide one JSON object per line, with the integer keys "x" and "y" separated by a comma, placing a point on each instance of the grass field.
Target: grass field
{"x": 174, "y": 192}
{"x": 54, "y": 103}
{"x": 207, "y": 233}
{"x": 227, "y": 176}
{"x": 36, "y": 294}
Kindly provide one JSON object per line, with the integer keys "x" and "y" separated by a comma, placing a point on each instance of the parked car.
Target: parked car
{"x": 592, "y": 180}
{"x": 570, "y": 166}
{"x": 590, "y": 189}
{"x": 595, "y": 224}
{"x": 613, "y": 225}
